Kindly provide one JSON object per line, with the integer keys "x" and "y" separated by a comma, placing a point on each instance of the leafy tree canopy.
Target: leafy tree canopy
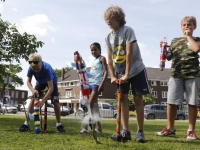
{"x": 59, "y": 71}
{"x": 14, "y": 46}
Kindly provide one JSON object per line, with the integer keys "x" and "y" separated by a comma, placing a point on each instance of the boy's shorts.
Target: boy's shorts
{"x": 54, "y": 94}
{"x": 139, "y": 84}
{"x": 177, "y": 87}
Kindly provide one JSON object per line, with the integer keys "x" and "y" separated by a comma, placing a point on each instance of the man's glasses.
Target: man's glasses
{"x": 34, "y": 62}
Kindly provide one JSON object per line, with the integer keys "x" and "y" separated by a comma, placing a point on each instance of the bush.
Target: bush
{"x": 198, "y": 114}
{"x": 132, "y": 113}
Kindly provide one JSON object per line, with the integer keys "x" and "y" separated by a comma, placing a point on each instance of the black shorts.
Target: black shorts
{"x": 54, "y": 95}
{"x": 139, "y": 84}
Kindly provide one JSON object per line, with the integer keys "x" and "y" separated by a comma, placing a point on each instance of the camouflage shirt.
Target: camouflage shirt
{"x": 185, "y": 63}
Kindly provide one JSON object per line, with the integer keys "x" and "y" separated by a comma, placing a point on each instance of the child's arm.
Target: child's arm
{"x": 192, "y": 43}
{"x": 129, "y": 53}
{"x": 105, "y": 72}
{"x": 110, "y": 66}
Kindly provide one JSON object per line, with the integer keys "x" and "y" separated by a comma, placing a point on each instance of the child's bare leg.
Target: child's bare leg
{"x": 125, "y": 112}
{"x": 139, "y": 111}
{"x": 171, "y": 115}
{"x": 192, "y": 116}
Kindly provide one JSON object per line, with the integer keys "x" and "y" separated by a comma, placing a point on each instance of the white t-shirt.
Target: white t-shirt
{"x": 82, "y": 101}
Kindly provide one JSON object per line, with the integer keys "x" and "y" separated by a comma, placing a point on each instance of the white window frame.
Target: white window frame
{"x": 68, "y": 93}
{"x": 16, "y": 94}
{"x": 154, "y": 93}
{"x": 13, "y": 94}
{"x": 101, "y": 94}
{"x": 23, "y": 94}
{"x": 163, "y": 83}
{"x": 164, "y": 94}
{"x": 153, "y": 83}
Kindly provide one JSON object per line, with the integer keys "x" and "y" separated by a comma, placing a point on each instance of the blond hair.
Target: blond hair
{"x": 117, "y": 13}
{"x": 190, "y": 19}
{"x": 35, "y": 57}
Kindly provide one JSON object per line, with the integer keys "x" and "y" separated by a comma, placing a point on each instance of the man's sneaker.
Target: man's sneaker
{"x": 191, "y": 135}
{"x": 166, "y": 132}
{"x": 140, "y": 137}
{"x": 83, "y": 131}
{"x": 124, "y": 136}
{"x": 60, "y": 129}
{"x": 23, "y": 128}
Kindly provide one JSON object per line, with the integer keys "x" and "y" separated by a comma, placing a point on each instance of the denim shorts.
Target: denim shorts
{"x": 95, "y": 87}
{"x": 54, "y": 95}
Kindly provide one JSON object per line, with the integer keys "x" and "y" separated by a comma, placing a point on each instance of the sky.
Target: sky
{"x": 66, "y": 26}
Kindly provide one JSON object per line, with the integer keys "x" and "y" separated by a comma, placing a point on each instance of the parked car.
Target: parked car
{"x": 9, "y": 108}
{"x": 50, "y": 108}
{"x": 106, "y": 110}
{"x": 159, "y": 111}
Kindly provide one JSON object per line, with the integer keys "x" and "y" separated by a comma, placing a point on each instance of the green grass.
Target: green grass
{"x": 10, "y": 139}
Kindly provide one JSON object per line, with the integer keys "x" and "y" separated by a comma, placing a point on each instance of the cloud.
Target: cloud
{"x": 37, "y": 24}
{"x": 154, "y": 1}
{"x": 1, "y": 7}
{"x": 144, "y": 50}
{"x": 14, "y": 9}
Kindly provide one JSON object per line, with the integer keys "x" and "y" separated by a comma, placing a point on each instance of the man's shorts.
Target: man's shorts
{"x": 139, "y": 84}
{"x": 177, "y": 87}
{"x": 54, "y": 95}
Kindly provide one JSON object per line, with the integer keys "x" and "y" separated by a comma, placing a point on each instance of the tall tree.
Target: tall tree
{"x": 14, "y": 46}
{"x": 59, "y": 71}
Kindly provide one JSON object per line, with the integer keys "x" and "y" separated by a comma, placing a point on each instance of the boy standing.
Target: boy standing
{"x": 184, "y": 77}
{"x": 125, "y": 63}
{"x": 45, "y": 77}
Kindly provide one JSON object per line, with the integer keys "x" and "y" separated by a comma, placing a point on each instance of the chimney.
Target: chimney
{"x": 62, "y": 74}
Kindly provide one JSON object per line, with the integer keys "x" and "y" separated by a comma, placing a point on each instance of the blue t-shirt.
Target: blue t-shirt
{"x": 46, "y": 74}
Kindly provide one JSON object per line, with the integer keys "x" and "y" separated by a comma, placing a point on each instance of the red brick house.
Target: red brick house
{"x": 69, "y": 89}
{"x": 16, "y": 96}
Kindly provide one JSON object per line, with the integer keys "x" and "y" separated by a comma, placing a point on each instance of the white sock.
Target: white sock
{"x": 58, "y": 124}
{"x": 26, "y": 123}
{"x": 189, "y": 130}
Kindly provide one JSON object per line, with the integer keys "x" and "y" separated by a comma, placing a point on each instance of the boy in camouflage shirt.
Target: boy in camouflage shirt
{"x": 184, "y": 77}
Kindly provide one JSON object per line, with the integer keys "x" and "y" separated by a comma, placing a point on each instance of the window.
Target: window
{"x": 16, "y": 94}
{"x": 68, "y": 94}
{"x": 153, "y": 83}
{"x": 13, "y": 94}
{"x": 154, "y": 93}
{"x": 23, "y": 94}
{"x": 100, "y": 94}
{"x": 105, "y": 106}
{"x": 164, "y": 94}
{"x": 72, "y": 83}
{"x": 156, "y": 107}
{"x": 163, "y": 83}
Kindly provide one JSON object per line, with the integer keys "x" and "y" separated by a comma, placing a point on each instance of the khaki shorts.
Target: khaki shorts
{"x": 177, "y": 87}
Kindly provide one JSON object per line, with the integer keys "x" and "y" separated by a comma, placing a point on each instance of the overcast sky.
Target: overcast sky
{"x": 69, "y": 25}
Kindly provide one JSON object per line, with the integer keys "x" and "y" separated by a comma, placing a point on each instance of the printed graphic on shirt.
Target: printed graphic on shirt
{"x": 119, "y": 58}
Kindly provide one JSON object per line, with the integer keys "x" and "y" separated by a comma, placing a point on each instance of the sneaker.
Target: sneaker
{"x": 140, "y": 137}
{"x": 166, "y": 132}
{"x": 60, "y": 129}
{"x": 124, "y": 136}
{"x": 97, "y": 131}
{"x": 23, "y": 128}
{"x": 83, "y": 131}
{"x": 191, "y": 135}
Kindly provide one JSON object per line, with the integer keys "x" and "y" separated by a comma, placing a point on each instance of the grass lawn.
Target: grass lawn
{"x": 10, "y": 139}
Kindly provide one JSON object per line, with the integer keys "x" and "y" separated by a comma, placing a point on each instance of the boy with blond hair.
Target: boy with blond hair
{"x": 125, "y": 63}
{"x": 184, "y": 77}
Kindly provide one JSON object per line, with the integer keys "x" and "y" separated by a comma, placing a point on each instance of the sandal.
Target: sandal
{"x": 97, "y": 131}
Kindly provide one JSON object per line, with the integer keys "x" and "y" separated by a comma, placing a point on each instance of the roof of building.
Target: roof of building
{"x": 152, "y": 74}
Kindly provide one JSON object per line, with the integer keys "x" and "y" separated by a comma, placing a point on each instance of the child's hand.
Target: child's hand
{"x": 124, "y": 78}
{"x": 36, "y": 93}
{"x": 41, "y": 103}
{"x": 114, "y": 80}
{"x": 187, "y": 32}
